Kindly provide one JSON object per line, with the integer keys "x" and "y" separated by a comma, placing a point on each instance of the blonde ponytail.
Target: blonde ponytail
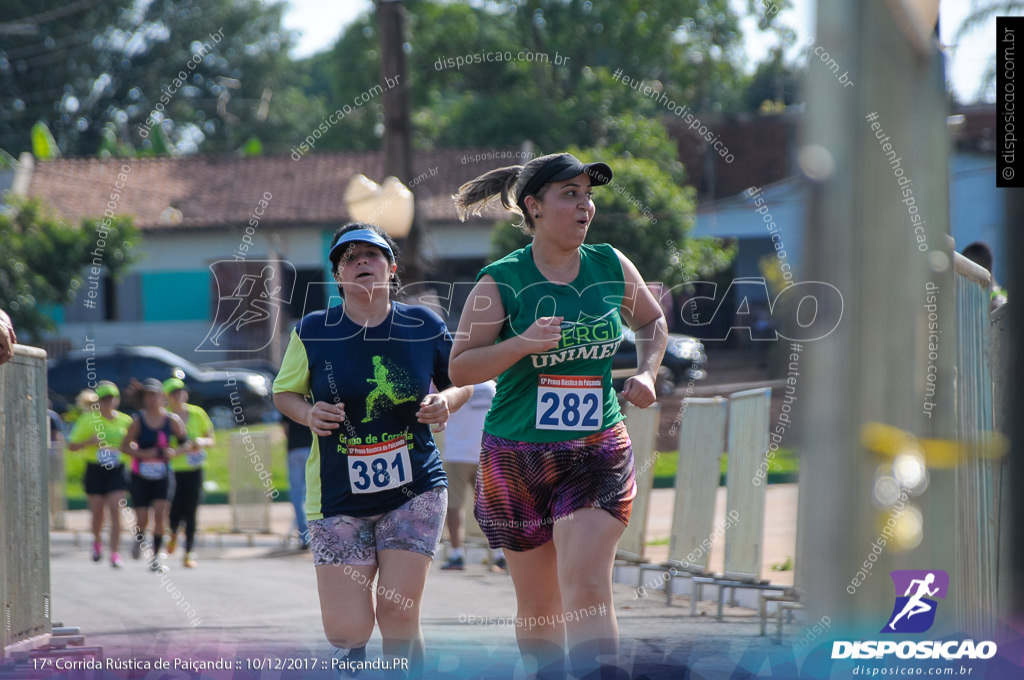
{"x": 501, "y": 185}
{"x": 486, "y": 190}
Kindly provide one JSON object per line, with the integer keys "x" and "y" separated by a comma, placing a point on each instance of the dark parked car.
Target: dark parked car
{"x": 684, "y": 359}
{"x": 219, "y": 392}
{"x": 262, "y": 366}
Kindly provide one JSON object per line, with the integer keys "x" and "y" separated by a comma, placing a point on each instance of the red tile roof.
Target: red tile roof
{"x": 976, "y": 131}
{"x": 213, "y": 191}
{"x": 765, "y": 146}
{"x": 217, "y": 191}
{"x": 762, "y": 146}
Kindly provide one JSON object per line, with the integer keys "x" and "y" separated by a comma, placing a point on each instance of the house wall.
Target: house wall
{"x": 977, "y": 209}
{"x": 977, "y": 213}
{"x": 169, "y": 297}
{"x": 458, "y": 241}
{"x": 784, "y": 206}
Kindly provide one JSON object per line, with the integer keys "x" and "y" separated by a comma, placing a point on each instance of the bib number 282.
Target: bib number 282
{"x": 569, "y": 403}
{"x": 379, "y": 467}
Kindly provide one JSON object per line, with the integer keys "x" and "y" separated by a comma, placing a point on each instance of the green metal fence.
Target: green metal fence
{"x": 701, "y": 443}
{"x": 863, "y": 143}
{"x": 24, "y": 516}
{"x": 252, "y": 486}
{"x": 749, "y": 413}
{"x": 642, "y": 425}
{"x": 980, "y": 475}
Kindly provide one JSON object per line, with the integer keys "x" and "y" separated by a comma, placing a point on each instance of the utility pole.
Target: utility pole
{"x": 397, "y": 123}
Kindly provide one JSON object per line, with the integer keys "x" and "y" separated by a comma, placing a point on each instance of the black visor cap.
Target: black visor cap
{"x": 562, "y": 167}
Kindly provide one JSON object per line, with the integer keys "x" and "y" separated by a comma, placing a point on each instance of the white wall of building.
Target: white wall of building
{"x": 170, "y": 250}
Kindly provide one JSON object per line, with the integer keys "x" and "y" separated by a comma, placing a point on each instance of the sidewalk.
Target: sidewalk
{"x": 261, "y": 603}
{"x": 779, "y": 532}
{"x": 252, "y": 597}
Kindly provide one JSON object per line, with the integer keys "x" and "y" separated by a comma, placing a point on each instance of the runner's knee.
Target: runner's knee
{"x": 395, "y": 612}
{"x": 538, "y": 601}
{"x": 346, "y": 632}
{"x": 583, "y": 584}
{"x": 347, "y": 642}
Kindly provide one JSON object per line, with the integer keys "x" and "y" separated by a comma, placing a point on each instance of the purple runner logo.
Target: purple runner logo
{"x": 914, "y": 610}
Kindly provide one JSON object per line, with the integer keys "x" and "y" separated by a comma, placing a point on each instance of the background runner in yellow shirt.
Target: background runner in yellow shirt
{"x": 187, "y": 466}
{"x": 98, "y": 433}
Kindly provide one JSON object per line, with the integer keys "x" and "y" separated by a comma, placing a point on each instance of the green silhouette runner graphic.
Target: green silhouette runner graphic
{"x": 385, "y": 387}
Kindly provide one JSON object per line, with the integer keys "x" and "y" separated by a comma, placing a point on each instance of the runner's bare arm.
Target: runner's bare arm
{"x": 643, "y": 314}
{"x": 476, "y": 357}
{"x": 320, "y": 417}
{"x": 204, "y": 441}
{"x": 130, "y": 443}
{"x": 75, "y": 446}
{"x": 457, "y": 396}
{"x": 437, "y": 406}
{"x": 7, "y": 337}
{"x": 180, "y": 434}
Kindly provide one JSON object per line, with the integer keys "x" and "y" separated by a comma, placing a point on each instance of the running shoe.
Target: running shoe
{"x": 97, "y": 551}
{"x": 190, "y": 560}
{"x": 454, "y": 564}
{"x": 172, "y": 543}
{"x": 156, "y": 566}
{"x": 499, "y": 566}
{"x": 355, "y": 655}
{"x": 115, "y": 560}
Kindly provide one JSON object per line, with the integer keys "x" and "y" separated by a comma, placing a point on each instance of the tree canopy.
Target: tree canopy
{"x": 45, "y": 260}
{"x": 179, "y": 76}
{"x": 168, "y": 76}
{"x": 543, "y": 70}
{"x": 212, "y": 73}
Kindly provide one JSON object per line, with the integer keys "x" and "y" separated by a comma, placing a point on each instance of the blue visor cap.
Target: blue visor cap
{"x": 362, "y": 236}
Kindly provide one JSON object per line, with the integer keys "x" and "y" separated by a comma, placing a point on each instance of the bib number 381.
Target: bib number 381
{"x": 379, "y": 467}
{"x": 569, "y": 402}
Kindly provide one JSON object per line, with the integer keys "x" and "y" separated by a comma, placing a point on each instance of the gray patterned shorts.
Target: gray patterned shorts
{"x": 414, "y": 526}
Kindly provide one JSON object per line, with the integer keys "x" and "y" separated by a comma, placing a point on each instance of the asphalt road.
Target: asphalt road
{"x": 247, "y": 603}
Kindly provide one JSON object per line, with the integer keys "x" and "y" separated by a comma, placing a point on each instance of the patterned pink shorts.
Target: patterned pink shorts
{"x": 415, "y": 526}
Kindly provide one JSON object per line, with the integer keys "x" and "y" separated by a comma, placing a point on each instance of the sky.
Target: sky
{"x": 320, "y": 22}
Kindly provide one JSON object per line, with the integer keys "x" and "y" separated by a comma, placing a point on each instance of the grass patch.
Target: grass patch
{"x": 216, "y": 470}
{"x": 783, "y": 467}
{"x": 665, "y": 465}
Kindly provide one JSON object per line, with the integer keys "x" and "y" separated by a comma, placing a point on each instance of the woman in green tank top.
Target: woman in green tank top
{"x": 556, "y": 479}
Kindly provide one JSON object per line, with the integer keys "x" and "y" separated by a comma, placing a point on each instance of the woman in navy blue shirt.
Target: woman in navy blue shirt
{"x": 376, "y": 492}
